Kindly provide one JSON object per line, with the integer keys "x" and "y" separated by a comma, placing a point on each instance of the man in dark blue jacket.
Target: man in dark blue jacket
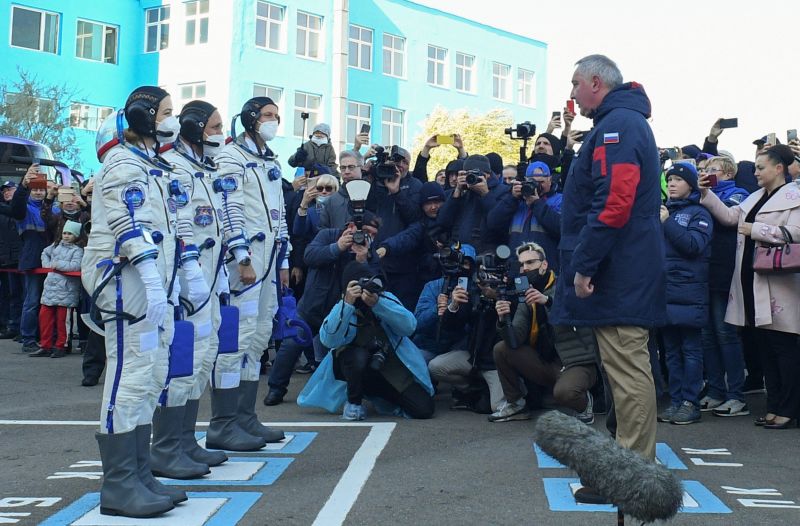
{"x": 325, "y": 257}
{"x": 10, "y": 282}
{"x": 612, "y": 253}
{"x": 467, "y": 206}
{"x": 536, "y": 217}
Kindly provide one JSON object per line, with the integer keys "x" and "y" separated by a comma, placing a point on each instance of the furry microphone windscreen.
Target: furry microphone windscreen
{"x": 639, "y": 488}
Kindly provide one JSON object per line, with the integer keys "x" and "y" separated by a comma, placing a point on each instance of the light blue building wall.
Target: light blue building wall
{"x": 94, "y": 82}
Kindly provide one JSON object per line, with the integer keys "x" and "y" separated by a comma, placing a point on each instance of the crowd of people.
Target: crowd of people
{"x": 595, "y": 276}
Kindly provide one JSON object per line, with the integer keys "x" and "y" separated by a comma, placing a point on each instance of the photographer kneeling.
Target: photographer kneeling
{"x": 368, "y": 331}
{"x": 551, "y": 356}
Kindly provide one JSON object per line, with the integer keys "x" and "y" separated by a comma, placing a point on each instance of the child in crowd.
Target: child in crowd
{"x": 317, "y": 151}
{"x": 60, "y": 292}
{"x": 687, "y": 230}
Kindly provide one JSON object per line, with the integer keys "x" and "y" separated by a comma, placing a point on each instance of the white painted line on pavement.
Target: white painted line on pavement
{"x": 202, "y": 424}
{"x": 344, "y": 495}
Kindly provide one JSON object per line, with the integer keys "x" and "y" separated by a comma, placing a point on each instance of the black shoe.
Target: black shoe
{"x": 306, "y": 368}
{"x": 8, "y": 335}
{"x": 588, "y": 495}
{"x": 59, "y": 353}
{"x": 89, "y": 382}
{"x": 18, "y": 338}
{"x": 273, "y": 398}
{"x": 41, "y": 353}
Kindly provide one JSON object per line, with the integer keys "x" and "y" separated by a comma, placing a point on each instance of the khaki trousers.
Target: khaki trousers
{"x": 627, "y": 364}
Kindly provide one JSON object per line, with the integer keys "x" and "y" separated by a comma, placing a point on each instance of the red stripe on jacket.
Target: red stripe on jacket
{"x": 621, "y": 194}
{"x": 599, "y": 154}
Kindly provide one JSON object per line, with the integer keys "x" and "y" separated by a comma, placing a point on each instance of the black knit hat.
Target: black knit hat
{"x": 496, "y": 162}
{"x": 555, "y": 143}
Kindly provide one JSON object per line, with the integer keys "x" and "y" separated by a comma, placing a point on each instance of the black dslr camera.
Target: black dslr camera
{"x": 450, "y": 258}
{"x": 380, "y": 352}
{"x": 522, "y": 131}
{"x": 373, "y": 285}
{"x": 493, "y": 267}
{"x": 385, "y": 166}
{"x": 529, "y": 187}
{"x": 473, "y": 177}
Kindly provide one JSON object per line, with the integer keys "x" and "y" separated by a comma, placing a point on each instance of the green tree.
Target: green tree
{"x": 481, "y": 133}
{"x": 40, "y": 112}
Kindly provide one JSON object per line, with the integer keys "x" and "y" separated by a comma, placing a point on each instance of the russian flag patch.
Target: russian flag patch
{"x": 611, "y": 138}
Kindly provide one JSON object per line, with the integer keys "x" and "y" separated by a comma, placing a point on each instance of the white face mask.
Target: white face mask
{"x": 168, "y": 129}
{"x": 268, "y": 130}
{"x": 212, "y": 151}
{"x": 319, "y": 141}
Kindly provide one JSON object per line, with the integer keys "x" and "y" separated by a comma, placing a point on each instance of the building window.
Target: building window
{"x": 392, "y": 126}
{"x": 309, "y": 35}
{"x": 501, "y": 74}
{"x": 394, "y": 55}
{"x": 88, "y": 117}
{"x": 276, "y": 94}
{"x": 156, "y": 29}
{"x": 465, "y": 72}
{"x": 196, "y": 22}
{"x": 360, "y": 51}
{"x": 96, "y": 42}
{"x": 357, "y": 114}
{"x": 308, "y": 103}
{"x": 191, "y": 91}
{"x": 526, "y": 88}
{"x": 42, "y": 109}
{"x": 437, "y": 65}
{"x": 34, "y": 29}
{"x": 269, "y": 26}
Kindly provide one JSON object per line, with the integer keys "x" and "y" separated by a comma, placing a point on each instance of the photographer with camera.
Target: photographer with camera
{"x": 326, "y": 257}
{"x": 318, "y": 150}
{"x": 530, "y": 212}
{"x": 336, "y": 211}
{"x": 468, "y": 205}
{"x": 559, "y": 357}
{"x": 369, "y": 330}
{"x": 464, "y": 305}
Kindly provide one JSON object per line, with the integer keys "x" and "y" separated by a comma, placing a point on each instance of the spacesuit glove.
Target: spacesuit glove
{"x": 198, "y": 288}
{"x": 154, "y": 291}
{"x": 223, "y": 287}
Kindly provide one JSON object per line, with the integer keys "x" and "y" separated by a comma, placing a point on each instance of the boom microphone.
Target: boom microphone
{"x": 639, "y": 488}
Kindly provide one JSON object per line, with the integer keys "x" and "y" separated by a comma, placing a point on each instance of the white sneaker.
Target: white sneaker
{"x": 731, "y": 408}
{"x": 709, "y": 404}
{"x": 511, "y": 411}
{"x": 587, "y": 416}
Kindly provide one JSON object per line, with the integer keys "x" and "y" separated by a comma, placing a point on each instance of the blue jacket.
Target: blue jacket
{"x": 326, "y": 391}
{"x": 325, "y": 264}
{"x": 414, "y": 244}
{"x": 513, "y": 222}
{"x": 427, "y": 317}
{"x": 723, "y": 243}
{"x": 610, "y": 225}
{"x": 34, "y": 238}
{"x": 466, "y": 216}
{"x": 687, "y": 243}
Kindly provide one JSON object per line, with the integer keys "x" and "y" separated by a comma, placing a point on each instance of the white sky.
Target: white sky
{"x": 698, "y": 60}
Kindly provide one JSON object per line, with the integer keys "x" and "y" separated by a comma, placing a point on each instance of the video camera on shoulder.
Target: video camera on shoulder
{"x": 385, "y": 166}
{"x": 450, "y": 258}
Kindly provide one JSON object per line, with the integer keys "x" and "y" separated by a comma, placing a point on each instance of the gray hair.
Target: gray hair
{"x": 602, "y": 67}
{"x": 353, "y": 154}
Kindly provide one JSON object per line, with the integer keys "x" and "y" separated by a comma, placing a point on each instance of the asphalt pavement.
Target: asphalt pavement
{"x": 455, "y": 469}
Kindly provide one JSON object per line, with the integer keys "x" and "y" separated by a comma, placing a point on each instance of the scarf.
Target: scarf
{"x": 533, "y": 336}
{"x": 33, "y": 219}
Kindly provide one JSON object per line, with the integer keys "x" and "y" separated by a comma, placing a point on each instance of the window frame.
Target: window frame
{"x": 159, "y": 27}
{"x": 268, "y": 21}
{"x": 391, "y": 124}
{"x": 105, "y": 27}
{"x": 42, "y": 16}
{"x": 197, "y": 18}
{"x": 320, "y": 36}
{"x": 296, "y": 110}
{"x": 182, "y": 101}
{"x": 85, "y": 105}
{"x": 508, "y": 92}
{"x": 393, "y": 52}
{"x": 360, "y": 44}
{"x": 357, "y": 119}
{"x": 521, "y": 83}
{"x": 461, "y": 69}
{"x": 437, "y": 62}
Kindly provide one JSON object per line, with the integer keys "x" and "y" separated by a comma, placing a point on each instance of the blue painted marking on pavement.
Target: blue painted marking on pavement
{"x": 297, "y": 444}
{"x": 265, "y": 476}
{"x": 234, "y": 510}
{"x": 560, "y": 498}
{"x": 665, "y": 455}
